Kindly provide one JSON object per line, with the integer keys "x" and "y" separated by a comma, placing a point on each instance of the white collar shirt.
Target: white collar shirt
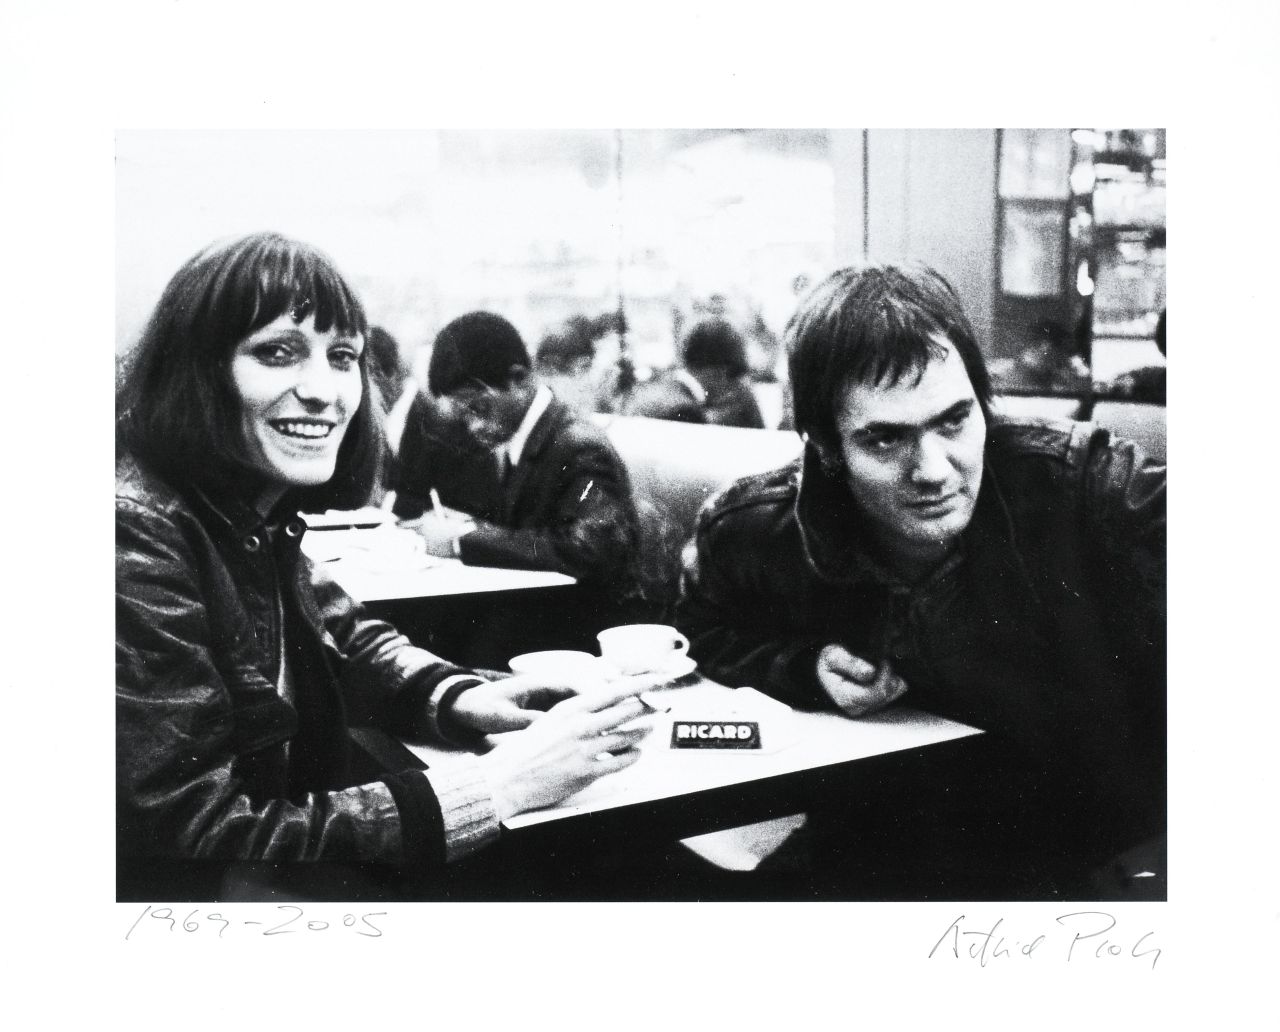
{"x": 514, "y": 448}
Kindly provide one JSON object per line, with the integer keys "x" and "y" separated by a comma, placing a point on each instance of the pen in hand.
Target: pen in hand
{"x": 442, "y": 512}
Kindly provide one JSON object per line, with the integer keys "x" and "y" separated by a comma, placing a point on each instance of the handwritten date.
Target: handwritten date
{"x": 1085, "y": 934}
{"x": 287, "y": 920}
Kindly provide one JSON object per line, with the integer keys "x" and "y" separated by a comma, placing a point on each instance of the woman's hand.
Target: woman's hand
{"x": 515, "y": 702}
{"x": 565, "y": 750}
{"x": 855, "y": 685}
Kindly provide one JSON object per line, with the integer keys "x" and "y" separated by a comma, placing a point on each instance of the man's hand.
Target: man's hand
{"x": 438, "y": 532}
{"x": 515, "y": 702}
{"x": 856, "y": 686}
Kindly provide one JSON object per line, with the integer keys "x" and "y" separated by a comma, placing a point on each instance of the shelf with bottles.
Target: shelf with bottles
{"x": 1119, "y": 250}
{"x": 1081, "y": 256}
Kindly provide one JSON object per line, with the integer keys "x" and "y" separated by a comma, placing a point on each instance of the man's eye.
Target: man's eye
{"x": 953, "y": 424}
{"x": 882, "y": 442}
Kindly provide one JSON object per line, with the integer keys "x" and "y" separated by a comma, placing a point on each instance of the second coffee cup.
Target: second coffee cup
{"x": 641, "y": 648}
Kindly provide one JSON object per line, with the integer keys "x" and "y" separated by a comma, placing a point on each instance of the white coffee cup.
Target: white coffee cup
{"x": 556, "y": 663}
{"x": 641, "y": 648}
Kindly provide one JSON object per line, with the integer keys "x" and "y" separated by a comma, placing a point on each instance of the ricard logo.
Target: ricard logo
{"x": 706, "y": 734}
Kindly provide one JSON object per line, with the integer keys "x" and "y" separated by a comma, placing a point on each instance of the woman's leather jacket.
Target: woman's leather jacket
{"x": 218, "y": 754}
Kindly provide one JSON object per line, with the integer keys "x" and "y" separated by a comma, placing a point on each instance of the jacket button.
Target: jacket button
{"x": 252, "y": 543}
{"x": 293, "y": 528}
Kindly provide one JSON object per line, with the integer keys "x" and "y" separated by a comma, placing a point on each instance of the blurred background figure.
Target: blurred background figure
{"x": 403, "y": 404}
{"x": 715, "y": 355}
{"x": 566, "y": 360}
{"x": 672, "y": 394}
{"x": 711, "y": 385}
{"x": 393, "y": 381}
{"x": 1145, "y": 384}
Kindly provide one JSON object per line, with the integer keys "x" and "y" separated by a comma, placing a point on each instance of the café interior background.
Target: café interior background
{"x": 1053, "y": 237}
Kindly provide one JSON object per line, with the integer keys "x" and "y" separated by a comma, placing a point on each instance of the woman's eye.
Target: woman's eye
{"x": 273, "y": 354}
{"x": 343, "y": 359}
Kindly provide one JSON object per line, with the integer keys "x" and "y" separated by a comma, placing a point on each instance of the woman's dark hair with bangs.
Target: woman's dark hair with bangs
{"x": 873, "y": 324}
{"x": 176, "y": 408}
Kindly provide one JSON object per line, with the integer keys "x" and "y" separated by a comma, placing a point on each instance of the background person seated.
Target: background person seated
{"x": 715, "y": 355}
{"x": 673, "y": 395}
{"x": 540, "y": 488}
{"x": 1146, "y": 384}
{"x": 393, "y": 382}
{"x": 566, "y": 359}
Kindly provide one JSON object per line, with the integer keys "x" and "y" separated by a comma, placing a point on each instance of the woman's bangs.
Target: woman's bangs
{"x": 306, "y": 285}
{"x": 335, "y": 305}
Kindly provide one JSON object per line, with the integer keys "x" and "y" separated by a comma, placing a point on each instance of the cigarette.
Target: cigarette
{"x": 652, "y": 706}
{"x": 436, "y": 506}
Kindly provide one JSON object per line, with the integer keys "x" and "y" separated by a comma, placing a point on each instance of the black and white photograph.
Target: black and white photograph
{"x": 703, "y": 514}
{"x": 644, "y": 516}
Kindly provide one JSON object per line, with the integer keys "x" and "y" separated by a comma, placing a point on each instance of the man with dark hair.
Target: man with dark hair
{"x": 1006, "y": 574}
{"x": 541, "y": 489}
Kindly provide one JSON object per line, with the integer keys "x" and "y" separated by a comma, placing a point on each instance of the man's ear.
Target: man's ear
{"x": 829, "y": 458}
{"x": 518, "y": 375}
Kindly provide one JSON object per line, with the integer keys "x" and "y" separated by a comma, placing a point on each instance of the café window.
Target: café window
{"x": 1080, "y": 278}
{"x": 661, "y": 226}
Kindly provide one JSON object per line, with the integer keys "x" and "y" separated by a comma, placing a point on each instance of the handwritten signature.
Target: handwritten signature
{"x": 1082, "y": 934}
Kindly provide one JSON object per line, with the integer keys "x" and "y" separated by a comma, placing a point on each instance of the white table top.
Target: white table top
{"x": 793, "y": 741}
{"x": 386, "y": 563}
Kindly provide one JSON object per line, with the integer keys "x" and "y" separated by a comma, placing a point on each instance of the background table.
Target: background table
{"x": 475, "y": 615}
{"x": 380, "y": 565}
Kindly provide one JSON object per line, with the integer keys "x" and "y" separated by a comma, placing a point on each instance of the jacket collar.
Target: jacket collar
{"x": 838, "y": 543}
{"x": 540, "y": 436}
{"x": 515, "y": 448}
{"x": 541, "y": 430}
{"x": 229, "y": 513}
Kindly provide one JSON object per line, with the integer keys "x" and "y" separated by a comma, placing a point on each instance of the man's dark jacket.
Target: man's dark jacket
{"x": 566, "y": 506}
{"x": 1046, "y": 629}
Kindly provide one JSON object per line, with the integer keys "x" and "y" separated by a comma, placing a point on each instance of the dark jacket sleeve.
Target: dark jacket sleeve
{"x": 1125, "y": 517}
{"x": 195, "y": 726}
{"x": 732, "y": 618}
{"x": 587, "y": 527}
{"x": 387, "y": 680}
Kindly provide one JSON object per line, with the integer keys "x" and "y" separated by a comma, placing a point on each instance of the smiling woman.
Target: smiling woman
{"x": 177, "y": 400}
{"x": 240, "y": 667}
{"x": 297, "y": 388}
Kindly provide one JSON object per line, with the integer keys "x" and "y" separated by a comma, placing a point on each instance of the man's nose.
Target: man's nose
{"x": 932, "y": 465}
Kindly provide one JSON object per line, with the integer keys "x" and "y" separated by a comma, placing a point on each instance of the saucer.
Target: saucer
{"x": 676, "y": 668}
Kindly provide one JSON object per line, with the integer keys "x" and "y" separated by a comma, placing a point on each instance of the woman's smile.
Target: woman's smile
{"x": 304, "y": 429}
